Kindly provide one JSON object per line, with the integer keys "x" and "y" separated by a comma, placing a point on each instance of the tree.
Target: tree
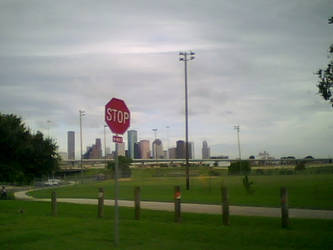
{"x": 124, "y": 169}
{"x": 325, "y": 84}
{"x": 23, "y": 155}
{"x": 300, "y": 166}
{"x": 239, "y": 167}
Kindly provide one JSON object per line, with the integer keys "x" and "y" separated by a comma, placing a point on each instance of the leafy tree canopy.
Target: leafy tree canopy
{"x": 325, "y": 84}
{"x": 124, "y": 167}
{"x": 23, "y": 155}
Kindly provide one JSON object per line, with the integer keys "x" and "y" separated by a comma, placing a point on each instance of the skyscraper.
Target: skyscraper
{"x": 132, "y": 138}
{"x": 137, "y": 153}
{"x": 71, "y": 145}
{"x": 158, "y": 149}
{"x": 172, "y": 153}
{"x": 95, "y": 151}
{"x": 144, "y": 149}
{"x": 191, "y": 150}
{"x": 120, "y": 148}
{"x": 205, "y": 150}
{"x": 180, "y": 150}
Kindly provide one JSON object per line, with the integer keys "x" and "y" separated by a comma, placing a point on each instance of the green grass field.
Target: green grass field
{"x": 77, "y": 227}
{"x": 305, "y": 191}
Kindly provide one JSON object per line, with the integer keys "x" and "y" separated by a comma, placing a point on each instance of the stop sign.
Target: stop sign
{"x": 117, "y": 116}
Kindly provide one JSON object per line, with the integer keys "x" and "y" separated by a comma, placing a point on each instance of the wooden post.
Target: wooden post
{"x": 177, "y": 204}
{"x": 100, "y": 203}
{"x": 284, "y": 207}
{"x": 137, "y": 198}
{"x": 54, "y": 203}
{"x": 225, "y": 206}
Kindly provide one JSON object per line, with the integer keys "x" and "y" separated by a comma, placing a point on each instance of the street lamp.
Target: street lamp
{"x": 82, "y": 113}
{"x": 48, "y": 128}
{"x": 186, "y": 56}
{"x": 236, "y": 127}
{"x": 105, "y": 126}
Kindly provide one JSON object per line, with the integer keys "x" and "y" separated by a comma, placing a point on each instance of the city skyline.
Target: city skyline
{"x": 141, "y": 149}
{"x": 254, "y": 67}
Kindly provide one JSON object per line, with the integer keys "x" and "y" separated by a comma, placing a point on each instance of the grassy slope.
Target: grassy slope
{"x": 77, "y": 227}
{"x": 305, "y": 191}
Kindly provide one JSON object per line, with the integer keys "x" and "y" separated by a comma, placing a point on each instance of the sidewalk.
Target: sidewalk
{"x": 196, "y": 208}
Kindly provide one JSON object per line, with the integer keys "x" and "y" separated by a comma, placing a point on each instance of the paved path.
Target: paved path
{"x": 197, "y": 208}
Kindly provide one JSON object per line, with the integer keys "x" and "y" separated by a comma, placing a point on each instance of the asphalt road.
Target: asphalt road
{"x": 196, "y": 208}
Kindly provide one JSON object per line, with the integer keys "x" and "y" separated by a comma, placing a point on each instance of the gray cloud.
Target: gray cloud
{"x": 254, "y": 67}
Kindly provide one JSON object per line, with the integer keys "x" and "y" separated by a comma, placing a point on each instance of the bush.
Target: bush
{"x": 213, "y": 172}
{"x": 259, "y": 171}
{"x": 124, "y": 170}
{"x": 286, "y": 172}
{"x": 9, "y": 196}
{"x": 300, "y": 166}
{"x": 240, "y": 167}
{"x": 247, "y": 185}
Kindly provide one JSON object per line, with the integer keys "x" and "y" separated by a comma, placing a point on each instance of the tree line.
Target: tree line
{"x": 24, "y": 155}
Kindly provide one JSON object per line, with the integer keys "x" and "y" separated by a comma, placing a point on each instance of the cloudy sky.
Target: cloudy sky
{"x": 254, "y": 67}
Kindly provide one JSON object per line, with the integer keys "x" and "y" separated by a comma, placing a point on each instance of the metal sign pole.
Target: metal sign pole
{"x": 117, "y": 117}
{"x": 116, "y": 212}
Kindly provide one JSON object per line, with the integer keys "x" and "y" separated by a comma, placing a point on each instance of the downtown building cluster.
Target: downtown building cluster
{"x": 136, "y": 149}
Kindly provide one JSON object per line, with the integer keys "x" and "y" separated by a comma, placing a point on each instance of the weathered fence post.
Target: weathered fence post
{"x": 137, "y": 198}
{"x": 177, "y": 204}
{"x": 225, "y": 206}
{"x": 284, "y": 207}
{"x": 100, "y": 203}
{"x": 54, "y": 203}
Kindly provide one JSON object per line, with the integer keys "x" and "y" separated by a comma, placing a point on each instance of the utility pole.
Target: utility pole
{"x": 186, "y": 56}
{"x": 236, "y": 127}
{"x": 48, "y": 128}
{"x": 82, "y": 113}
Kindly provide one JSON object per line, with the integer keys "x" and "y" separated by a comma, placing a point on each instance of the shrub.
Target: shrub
{"x": 9, "y": 196}
{"x": 259, "y": 171}
{"x": 239, "y": 167}
{"x": 213, "y": 172}
{"x": 300, "y": 166}
{"x": 247, "y": 184}
{"x": 286, "y": 172}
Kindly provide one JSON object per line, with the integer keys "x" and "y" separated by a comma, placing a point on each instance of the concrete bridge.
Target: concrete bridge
{"x": 72, "y": 164}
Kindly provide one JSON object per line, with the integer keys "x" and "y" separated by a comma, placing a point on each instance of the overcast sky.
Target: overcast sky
{"x": 254, "y": 67}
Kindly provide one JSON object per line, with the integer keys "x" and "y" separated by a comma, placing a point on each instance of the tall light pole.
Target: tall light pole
{"x": 239, "y": 150}
{"x": 186, "y": 56}
{"x": 82, "y": 113}
{"x": 105, "y": 126}
{"x": 48, "y": 128}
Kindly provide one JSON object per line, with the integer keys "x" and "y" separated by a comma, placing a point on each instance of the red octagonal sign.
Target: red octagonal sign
{"x": 117, "y": 116}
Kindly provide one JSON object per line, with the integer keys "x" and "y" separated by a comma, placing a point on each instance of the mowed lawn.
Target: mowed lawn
{"x": 305, "y": 191}
{"x": 77, "y": 227}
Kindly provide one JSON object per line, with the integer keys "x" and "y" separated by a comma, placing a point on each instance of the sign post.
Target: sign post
{"x": 117, "y": 117}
